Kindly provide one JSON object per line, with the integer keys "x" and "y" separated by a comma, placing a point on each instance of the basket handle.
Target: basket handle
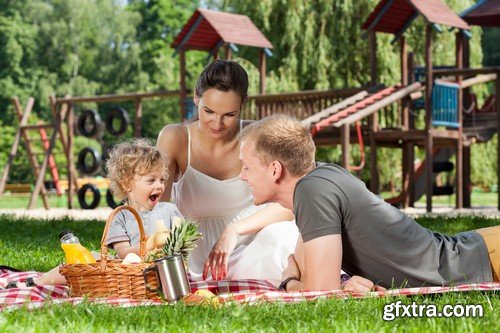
{"x": 109, "y": 221}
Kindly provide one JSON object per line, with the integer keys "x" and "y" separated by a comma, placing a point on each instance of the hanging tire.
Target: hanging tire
{"x": 119, "y": 115}
{"x": 83, "y": 161}
{"x": 110, "y": 200}
{"x": 96, "y": 196}
{"x": 89, "y": 124}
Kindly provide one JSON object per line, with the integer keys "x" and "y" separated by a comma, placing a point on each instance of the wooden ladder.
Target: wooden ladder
{"x": 39, "y": 170}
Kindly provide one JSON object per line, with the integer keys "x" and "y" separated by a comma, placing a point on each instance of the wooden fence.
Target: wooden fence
{"x": 299, "y": 104}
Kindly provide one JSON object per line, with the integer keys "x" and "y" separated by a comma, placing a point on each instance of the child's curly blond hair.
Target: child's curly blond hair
{"x": 135, "y": 157}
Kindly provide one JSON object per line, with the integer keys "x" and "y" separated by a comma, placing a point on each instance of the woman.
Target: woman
{"x": 239, "y": 241}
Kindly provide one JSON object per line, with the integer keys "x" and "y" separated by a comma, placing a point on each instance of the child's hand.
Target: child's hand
{"x": 158, "y": 238}
{"x": 150, "y": 243}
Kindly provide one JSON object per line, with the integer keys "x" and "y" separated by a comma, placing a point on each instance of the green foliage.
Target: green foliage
{"x": 491, "y": 47}
{"x": 484, "y": 163}
{"x": 20, "y": 168}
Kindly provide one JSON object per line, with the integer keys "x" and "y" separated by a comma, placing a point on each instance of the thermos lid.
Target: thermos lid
{"x": 65, "y": 232}
{"x": 170, "y": 257}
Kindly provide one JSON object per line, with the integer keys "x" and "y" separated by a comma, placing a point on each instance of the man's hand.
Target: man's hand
{"x": 360, "y": 284}
{"x": 217, "y": 260}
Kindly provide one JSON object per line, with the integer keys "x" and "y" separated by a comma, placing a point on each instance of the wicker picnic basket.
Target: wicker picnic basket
{"x": 109, "y": 277}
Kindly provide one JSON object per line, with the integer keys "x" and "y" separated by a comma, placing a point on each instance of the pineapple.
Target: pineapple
{"x": 180, "y": 240}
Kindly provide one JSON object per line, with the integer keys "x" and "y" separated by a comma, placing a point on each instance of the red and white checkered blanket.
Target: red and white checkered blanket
{"x": 238, "y": 291}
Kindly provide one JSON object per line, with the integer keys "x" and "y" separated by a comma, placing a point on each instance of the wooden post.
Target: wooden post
{"x": 345, "y": 142}
{"x": 405, "y": 111}
{"x": 497, "y": 91}
{"x": 404, "y": 81}
{"x": 411, "y": 79}
{"x": 373, "y": 58}
{"x": 138, "y": 118}
{"x": 182, "y": 83}
{"x": 466, "y": 64}
{"x": 262, "y": 71}
{"x": 39, "y": 183}
{"x": 410, "y": 153}
{"x": 54, "y": 107}
{"x": 459, "y": 158}
{"x": 374, "y": 179}
{"x": 71, "y": 175}
{"x": 229, "y": 52}
{"x": 428, "y": 118}
{"x": 466, "y": 176}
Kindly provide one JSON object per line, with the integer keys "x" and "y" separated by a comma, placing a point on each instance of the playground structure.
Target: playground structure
{"x": 209, "y": 31}
{"x": 62, "y": 128}
{"x": 331, "y": 113}
{"x": 444, "y": 101}
{"x": 445, "y": 91}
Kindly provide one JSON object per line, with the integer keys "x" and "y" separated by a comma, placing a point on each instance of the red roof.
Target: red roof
{"x": 485, "y": 13}
{"x": 207, "y": 28}
{"x": 395, "y": 16}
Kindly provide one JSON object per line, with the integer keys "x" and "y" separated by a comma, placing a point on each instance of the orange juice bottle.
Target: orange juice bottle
{"x": 75, "y": 252}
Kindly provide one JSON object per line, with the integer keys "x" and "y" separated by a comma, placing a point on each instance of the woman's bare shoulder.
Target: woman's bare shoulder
{"x": 172, "y": 137}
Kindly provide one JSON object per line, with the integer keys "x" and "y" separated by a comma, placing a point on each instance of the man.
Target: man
{"x": 344, "y": 225}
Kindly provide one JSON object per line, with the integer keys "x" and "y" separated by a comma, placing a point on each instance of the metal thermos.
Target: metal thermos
{"x": 172, "y": 277}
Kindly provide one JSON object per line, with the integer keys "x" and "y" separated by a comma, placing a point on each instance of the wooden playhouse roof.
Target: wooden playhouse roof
{"x": 395, "y": 16}
{"x": 208, "y": 29}
{"x": 485, "y": 13}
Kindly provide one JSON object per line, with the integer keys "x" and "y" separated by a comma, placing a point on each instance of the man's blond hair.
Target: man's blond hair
{"x": 284, "y": 139}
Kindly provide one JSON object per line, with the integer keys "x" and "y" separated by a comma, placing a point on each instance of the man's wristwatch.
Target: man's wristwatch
{"x": 285, "y": 281}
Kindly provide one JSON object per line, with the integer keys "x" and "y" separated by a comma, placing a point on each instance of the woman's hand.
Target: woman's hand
{"x": 217, "y": 260}
{"x": 360, "y": 284}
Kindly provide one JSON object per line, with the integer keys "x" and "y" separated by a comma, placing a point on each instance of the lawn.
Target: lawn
{"x": 31, "y": 244}
{"x": 10, "y": 201}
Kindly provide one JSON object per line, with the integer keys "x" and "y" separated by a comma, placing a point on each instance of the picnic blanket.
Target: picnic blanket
{"x": 235, "y": 291}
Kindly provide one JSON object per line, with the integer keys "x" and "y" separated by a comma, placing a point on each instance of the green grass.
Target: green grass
{"x": 477, "y": 199}
{"x": 29, "y": 244}
{"x": 21, "y": 200}
{"x": 8, "y": 201}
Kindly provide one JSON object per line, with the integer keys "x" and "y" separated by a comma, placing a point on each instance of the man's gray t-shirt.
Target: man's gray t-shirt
{"x": 124, "y": 226}
{"x": 379, "y": 242}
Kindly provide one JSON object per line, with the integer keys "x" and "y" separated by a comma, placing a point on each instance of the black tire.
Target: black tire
{"x": 445, "y": 166}
{"x": 96, "y": 196}
{"x": 121, "y": 115}
{"x": 96, "y": 161}
{"x": 89, "y": 124}
{"x": 110, "y": 200}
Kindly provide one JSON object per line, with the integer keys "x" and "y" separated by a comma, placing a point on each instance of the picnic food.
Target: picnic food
{"x": 110, "y": 277}
{"x": 131, "y": 258}
{"x": 75, "y": 252}
{"x": 202, "y": 297}
{"x": 159, "y": 237}
{"x": 180, "y": 240}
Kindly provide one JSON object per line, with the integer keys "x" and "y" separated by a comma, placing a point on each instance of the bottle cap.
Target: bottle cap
{"x": 65, "y": 232}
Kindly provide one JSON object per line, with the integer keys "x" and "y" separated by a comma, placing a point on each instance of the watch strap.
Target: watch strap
{"x": 283, "y": 284}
